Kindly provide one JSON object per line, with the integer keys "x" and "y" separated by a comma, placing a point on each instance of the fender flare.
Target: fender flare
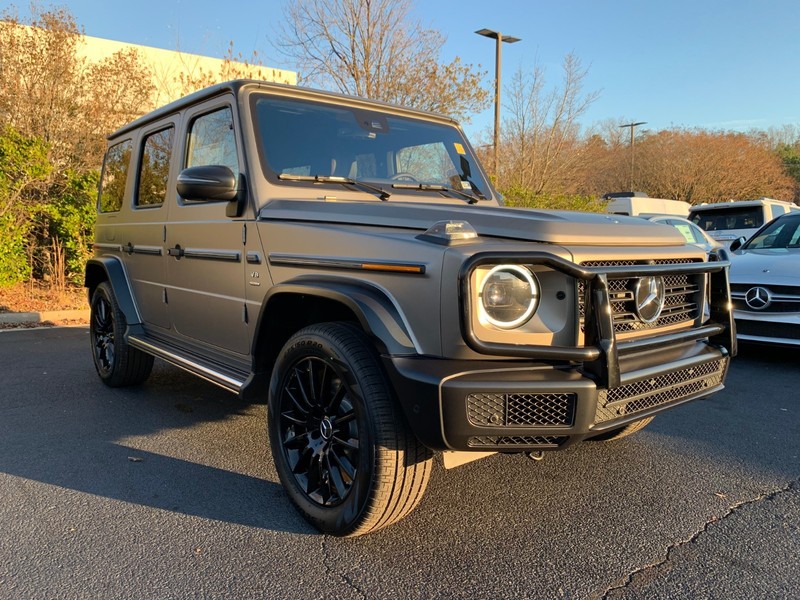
{"x": 110, "y": 268}
{"x": 375, "y": 310}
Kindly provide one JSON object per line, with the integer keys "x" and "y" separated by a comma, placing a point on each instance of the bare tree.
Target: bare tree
{"x": 374, "y": 49}
{"x": 541, "y": 145}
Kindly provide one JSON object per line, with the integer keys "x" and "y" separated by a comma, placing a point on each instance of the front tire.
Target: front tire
{"x": 117, "y": 363}
{"x": 341, "y": 446}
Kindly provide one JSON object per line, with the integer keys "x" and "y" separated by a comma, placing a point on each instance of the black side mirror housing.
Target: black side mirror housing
{"x": 213, "y": 183}
{"x": 737, "y": 243}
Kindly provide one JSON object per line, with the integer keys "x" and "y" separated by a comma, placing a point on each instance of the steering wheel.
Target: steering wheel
{"x": 404, "y": 177}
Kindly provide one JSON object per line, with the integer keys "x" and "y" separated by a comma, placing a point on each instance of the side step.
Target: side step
{"x": 225, "y": 377}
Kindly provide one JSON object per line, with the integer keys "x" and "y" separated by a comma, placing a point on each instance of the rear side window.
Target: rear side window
{"x": 115, "y": 176}
{"x": 212, "y": 141}
{"x": 722, "y": 219}
{"x": 154, "y": 168}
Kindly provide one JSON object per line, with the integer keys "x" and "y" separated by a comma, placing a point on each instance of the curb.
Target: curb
{"x": 42, "y": 317}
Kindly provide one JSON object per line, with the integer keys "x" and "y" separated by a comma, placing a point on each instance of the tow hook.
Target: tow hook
{"x": 536, "y": 455}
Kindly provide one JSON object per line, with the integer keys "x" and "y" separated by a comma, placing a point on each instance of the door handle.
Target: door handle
{"x": 177, "y": 251}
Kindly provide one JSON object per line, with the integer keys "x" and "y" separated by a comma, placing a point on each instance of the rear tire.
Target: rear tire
{"x": 621, "y": 432}
{"x": 117, "y": 363}
{"x": 341, "y": 446}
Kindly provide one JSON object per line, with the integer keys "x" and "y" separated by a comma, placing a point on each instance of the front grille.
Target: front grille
{"x": 525, "y": 410}
{"x": 642, "y": 395}
{"x": 519, "y": 442}
{"x": 633, "y": 263}
{"x": 776, "y": 306}
{"x": 681, "y": 303}
{"x": 785, "y": 298}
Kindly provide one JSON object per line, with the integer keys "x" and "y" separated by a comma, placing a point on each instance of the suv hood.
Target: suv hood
{"x": 555, "y": 227}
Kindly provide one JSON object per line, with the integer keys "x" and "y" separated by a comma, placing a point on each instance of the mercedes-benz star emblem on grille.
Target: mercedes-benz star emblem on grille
{"x": 649, "y": 294}
{"x": 758, "y": 298}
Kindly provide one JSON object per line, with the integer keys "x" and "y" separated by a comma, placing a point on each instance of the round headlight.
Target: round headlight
{"x": 509, "y": 296}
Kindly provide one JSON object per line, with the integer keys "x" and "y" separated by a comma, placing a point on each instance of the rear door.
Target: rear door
{"x": 145, "y": 235}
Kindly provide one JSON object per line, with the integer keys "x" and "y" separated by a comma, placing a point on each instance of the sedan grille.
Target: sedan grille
{"x": 783, "y": 298}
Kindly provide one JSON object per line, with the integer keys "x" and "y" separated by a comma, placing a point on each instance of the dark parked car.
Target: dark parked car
{"x": 349, "y": 262}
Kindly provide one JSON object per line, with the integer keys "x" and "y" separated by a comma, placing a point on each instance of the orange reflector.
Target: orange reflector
{"x": 393, "y": 268}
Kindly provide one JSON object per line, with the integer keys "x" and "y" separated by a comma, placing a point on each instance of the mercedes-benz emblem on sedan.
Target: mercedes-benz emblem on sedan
{"x": 758, "y": 298}
{"x": 649, "y": 296}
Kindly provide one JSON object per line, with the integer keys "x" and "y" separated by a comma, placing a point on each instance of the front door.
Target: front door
{"x": 206, "y": 262}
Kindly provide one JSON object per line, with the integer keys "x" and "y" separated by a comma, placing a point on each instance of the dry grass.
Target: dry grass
{"x": 33, "y": 297}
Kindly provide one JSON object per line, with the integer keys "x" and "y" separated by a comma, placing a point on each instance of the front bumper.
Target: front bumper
{"x": 549, "y": 397}
{"x": 768, "y": 328}
{"x": 513, "y": 407}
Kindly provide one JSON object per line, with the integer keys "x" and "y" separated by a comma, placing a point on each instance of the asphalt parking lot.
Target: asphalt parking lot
{"x": 168, "y": 491}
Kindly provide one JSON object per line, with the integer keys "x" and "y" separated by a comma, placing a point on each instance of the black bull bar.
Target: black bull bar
{"x": 601, "y": 352}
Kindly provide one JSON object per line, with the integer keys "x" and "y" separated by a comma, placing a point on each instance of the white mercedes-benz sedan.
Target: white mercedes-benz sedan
{"x": 765, "y": 283}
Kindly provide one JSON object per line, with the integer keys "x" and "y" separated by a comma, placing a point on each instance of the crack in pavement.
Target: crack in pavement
{"x": 327, "y": 561}
{"x": 792, "y": 485}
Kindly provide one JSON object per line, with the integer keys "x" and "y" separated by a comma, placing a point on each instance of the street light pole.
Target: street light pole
{"x": 499, "y": 39}
{"x": 632, "y": 127}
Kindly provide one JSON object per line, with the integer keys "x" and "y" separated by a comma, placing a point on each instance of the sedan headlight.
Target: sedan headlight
{"x": 508, "y": 296}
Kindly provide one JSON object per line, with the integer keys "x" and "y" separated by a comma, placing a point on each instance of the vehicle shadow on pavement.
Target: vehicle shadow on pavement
{"x": 175, "y": 443}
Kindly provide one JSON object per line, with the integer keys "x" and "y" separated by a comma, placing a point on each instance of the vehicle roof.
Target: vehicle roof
{"x": 237, "y": 86}
{"x": 660, "y": 216}
{"x": 738, "y": 203}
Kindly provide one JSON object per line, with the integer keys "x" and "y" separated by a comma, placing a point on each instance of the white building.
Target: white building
{"x": 170, "y": 68}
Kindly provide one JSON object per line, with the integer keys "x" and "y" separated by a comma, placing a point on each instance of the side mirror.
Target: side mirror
{"x": 212, "y": 183}
{"x": 737, "y": 243}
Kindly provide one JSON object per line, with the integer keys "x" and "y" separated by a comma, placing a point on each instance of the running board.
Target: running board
{"x": 231, "y": 380}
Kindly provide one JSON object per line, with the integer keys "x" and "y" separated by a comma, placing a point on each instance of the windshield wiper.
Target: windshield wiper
{"x": 372, "y": 189}
{"x": 435, "y": 187}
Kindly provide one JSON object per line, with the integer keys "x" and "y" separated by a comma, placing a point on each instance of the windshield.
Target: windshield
{"x": 780, "y": 233}
{"x": 302, "y": 140}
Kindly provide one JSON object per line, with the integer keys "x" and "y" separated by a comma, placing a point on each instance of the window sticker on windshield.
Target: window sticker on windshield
{"x": 459, "y": 148}
{"x": 686, "y": 231}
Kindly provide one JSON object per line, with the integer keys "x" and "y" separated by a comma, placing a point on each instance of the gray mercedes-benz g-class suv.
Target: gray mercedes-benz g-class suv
{"x": 350, "y": 263}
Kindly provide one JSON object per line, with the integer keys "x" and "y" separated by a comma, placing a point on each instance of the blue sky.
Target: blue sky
{"x": 715, "y": 64}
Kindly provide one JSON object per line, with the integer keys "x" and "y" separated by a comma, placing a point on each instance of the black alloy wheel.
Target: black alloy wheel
{"x": 341, "y": 445}
{"x": 117, "y": 363}
{"x": 319, "y": 430}
{"x": 102, "y": 327}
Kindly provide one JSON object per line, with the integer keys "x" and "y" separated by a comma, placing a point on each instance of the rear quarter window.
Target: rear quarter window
{"x": 154, "y": 168}
{"x": 115, "y": 177}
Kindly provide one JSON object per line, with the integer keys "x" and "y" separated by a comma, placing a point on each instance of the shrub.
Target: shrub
{"x": 64, "y": 229}
{"x": 24, "y": 171}
{"x": 525, "y": 198}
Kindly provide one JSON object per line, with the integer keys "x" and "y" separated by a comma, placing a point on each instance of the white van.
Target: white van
{"x": 727, "y": 221}
{"x": 636, "y": 204}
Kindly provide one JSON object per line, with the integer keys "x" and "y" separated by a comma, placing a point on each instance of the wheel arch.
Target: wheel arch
{"x": 289, "y": 307}
{"x": 110, "y": 269}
